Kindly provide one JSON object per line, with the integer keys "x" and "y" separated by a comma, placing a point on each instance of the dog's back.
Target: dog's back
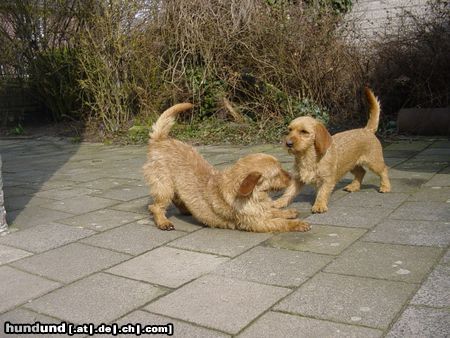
{"x": 354, "y": 147}
{"x": 177, "y": 164}
{"x": 358, "y": 146}
{"x": 176, "y": 168}
{"x": 185, "y": 165}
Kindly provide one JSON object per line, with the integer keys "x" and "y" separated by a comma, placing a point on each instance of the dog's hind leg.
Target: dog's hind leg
{"x": 377, "y": 165}
{"x": 162, "y": 194}
{"x": 359, "y": 173}
{"x": 180, "y": 205}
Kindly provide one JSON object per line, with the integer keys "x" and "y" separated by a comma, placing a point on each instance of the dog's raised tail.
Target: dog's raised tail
{"x": 374, "y": 110}
{"x": 161, "y": 128}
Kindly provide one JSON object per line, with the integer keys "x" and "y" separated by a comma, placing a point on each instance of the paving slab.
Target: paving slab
{"x": 387, "y": 261}
{"x": 274, "y": 266}
{"x": 360, "y": 238}
{"x": 9, "y": 254}
{"x": 408, "y": 145}
{"x": 446, "y": 259}
{"x": 393, "y": 161}
{"x": 103, "y": 219}
{"x": 399, "y": 153}
{"x": 436, "y": 289}
{"x": 168, "y": 267}
{"x": 439, "y": 180}
{"x": 125, "y": 172}
{"x": 34, "y": 216}
{"x": 219, "y": 241}
{"x": 18, "y": 190}
{"x": 219, "y": 302}
{"x": 80, "y": 204}
{"x": 24, "y": 316}
{"x": 139, "y": 205}
{"x": 348, "y": 299}
{"x": 275, "y": 324}
{"x": 427, "y": 211}
{"x": 133, "y": 238}
{"x": 444, "y": 152}
{"x": 185, "y": 223}
{"x": 322, "y": 239}
{"x": 71, "y": 262}
{"x": 19, "y": 287}
{"x": 406, "y": 185}
{"x": 423, "y": 164}
{"x": 411, "y": 173}
{"x": 64, "y": 193}
{"x": 370, "y": 199}
{"x": 20, "y": 202}
{"x": 123, "y": 193}
{"x": 54, "y": 184}
{"x": 87, "y": 176}
{"x": 422, "y": 322}
{"x": 96, "y": 299}
{"x": 181, "y": 329}
{"x": 44, "y": 237}
{"x": 107, "y": 183}
{"x": 435, "y": 194}
{"x": 356, "y": 217}
{"x": 441, "y": 144}
{"x": 410, "y": 233}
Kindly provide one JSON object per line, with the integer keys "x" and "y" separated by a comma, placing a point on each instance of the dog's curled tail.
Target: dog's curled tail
{"x": 374, "y": 110}
{"x": 161, "y": 128}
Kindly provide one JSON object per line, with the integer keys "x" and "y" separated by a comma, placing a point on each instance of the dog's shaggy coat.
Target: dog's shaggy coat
{"x": 322, "y": 159}
{"x": 235, "y": 198}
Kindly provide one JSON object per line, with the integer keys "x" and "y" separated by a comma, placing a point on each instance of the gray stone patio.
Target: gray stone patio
{"x": 83, "y": 248}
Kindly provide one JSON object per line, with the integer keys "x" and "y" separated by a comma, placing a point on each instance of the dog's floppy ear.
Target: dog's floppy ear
{"x": 322, "y": 140}
{"x": 249, "y": 183}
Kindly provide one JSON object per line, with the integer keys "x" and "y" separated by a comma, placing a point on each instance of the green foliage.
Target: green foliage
{"x": 118, "y": 63}
{"x": 337, "y": 6}
{"x": 138, "y": 133}
{"x": 54, "y": 78}
{"x": 307, "y": 107}
{"x": 17, "y": 130}
{"x": 206, "y": 91}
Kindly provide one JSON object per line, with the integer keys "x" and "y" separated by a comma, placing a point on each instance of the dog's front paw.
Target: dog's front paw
{"x": 352, "y": 187}
{"x": 166, "y": 226}
{"x": 291, "y": 213}
{"x": 319, "y": 208}
{"x": 300, "y": 226}
{"x": 384, "y": 189}
{"x": 278, "y": 204}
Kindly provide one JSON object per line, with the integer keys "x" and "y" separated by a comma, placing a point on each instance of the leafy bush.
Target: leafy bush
{"x": 266, "y": 58}
{"x": 37, "y": 38}
{"x": 249, "y": 66}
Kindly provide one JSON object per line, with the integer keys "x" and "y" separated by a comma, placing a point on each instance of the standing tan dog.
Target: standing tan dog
{"x": 236, "y": 198}
{"x": 322, "y": 159}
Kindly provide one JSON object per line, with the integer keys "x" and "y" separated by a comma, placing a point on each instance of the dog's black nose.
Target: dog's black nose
{"x": 289, "y": 144}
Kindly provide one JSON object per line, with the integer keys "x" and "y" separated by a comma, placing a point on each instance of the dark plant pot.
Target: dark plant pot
{"x": 424, "y": 121}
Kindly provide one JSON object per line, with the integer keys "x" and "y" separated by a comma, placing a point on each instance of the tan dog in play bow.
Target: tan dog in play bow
{"x": 235, "y": 198}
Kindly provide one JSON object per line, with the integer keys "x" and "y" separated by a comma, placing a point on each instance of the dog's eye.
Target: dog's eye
{"x": 289, "y": 129}
{"x": 303, "y": 131}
